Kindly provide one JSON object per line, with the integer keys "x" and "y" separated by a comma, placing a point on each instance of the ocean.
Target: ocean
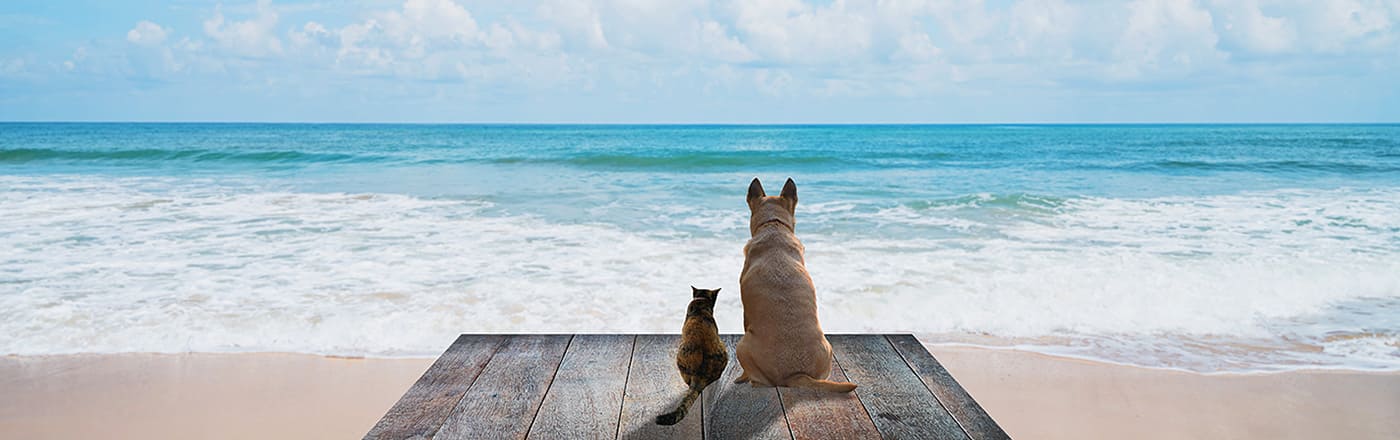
{"x": 1211, "y": 248}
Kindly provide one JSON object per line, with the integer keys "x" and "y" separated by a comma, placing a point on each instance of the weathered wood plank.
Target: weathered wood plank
{"x": 426, "y": 404}
{"x": 816, "y": 414}
{"x": 503, "y": 401}
{"x": 973, "y": 419}
{"x": 585, "y": 399}
{"x": 740, "y": 411}
{"x": 654, "y": 387}
{"x": 898, "y": 403}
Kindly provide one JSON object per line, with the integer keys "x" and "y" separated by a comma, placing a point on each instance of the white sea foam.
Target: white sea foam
{"x": 1281, "y": 279}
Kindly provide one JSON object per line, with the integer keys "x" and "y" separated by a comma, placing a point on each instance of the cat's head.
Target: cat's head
{"x": 709, "y": 294}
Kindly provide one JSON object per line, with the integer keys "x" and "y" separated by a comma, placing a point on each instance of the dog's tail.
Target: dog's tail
{"x": 800, "y": 380}
{"x": 676, "y": 416}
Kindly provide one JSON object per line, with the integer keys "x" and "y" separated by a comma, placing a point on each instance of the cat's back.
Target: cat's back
{"x": 702, "y": 353}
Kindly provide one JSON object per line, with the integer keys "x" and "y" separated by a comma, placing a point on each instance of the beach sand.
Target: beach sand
{"x": 1032, "y": 396}
{"x": 205, "y": 396}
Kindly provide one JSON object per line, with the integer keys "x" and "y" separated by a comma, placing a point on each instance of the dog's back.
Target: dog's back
{"x": 783, "y": 343}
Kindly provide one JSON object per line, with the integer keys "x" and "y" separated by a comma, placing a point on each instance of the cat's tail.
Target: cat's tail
{"x": 804, "y": 381}
{"x": 675, "y": 417}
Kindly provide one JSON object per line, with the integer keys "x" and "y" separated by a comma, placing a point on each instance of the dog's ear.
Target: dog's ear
{"x": 755, "y": 191}
{"x": 790, "y": 191}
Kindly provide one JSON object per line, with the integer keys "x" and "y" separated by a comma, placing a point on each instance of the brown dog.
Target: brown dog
{"x": 783, "y": 345}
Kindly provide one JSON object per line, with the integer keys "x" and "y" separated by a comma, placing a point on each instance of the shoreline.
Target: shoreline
{"x": 1032, "y": 395}
{"x": 933, "y": 347}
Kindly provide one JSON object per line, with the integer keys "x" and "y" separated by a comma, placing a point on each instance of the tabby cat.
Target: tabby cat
{"x": 702, "y": 355}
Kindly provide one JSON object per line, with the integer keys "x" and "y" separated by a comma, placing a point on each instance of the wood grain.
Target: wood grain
{"x": 614, "y": 386}
{"x": 898, "y": 403}
{"x": 970, "y": 415}
{"x": 426, "y": 405}
{"x": 503, "y": 401}
{"x": 586, "y": 397}
{"x": 654, "y": 387}
{"x": 740, "y": 411}
{"x": 816, "y": 414}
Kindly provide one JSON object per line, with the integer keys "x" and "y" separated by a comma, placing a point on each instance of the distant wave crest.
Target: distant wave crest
{"x": 679, "y": 161}
{"x": 1263, "y": 166}
{"x": 22, "y": 155}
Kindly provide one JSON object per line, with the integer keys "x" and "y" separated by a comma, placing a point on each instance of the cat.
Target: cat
{"x": 702, "y": 356}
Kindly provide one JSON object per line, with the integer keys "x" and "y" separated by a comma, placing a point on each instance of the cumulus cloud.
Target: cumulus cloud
{"x": 146, "y": 33}
{"x": 1246, "y": 29}
{"x": 777, "y": 48}
{"x": 420, "y": 32}
{"x": 580, "y": 21}
{"x": 1176, "y": 36}
{"x": 255, "y": 37}
{"x": 795, "y": 32}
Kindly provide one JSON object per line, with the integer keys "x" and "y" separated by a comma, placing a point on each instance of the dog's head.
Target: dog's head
{"x": 764, "y": 210}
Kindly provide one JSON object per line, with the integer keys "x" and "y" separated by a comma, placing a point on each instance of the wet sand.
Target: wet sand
{"x": 1032, "y": 396}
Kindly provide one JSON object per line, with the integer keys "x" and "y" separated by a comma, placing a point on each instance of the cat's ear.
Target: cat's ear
{"x": 755, "y": 191}
{"x": 715, "y": 293}
{"x": 790, "y": 191}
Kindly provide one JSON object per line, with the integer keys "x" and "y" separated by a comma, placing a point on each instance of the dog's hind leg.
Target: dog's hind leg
{"x": 759, "y": 383}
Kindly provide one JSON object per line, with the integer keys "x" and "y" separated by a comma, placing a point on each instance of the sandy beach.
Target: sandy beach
{"x": 1035, "y": 396}
{"x": 206, "y": 396}
{"x": 1032, "y": 396}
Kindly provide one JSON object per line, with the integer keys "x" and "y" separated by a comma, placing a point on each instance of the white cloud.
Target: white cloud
{"x": 628, "y": 49}
{"x": 311, "y": 36}
{"x": 1246, "y": 27}
{"x": 512, "y": 36}
{"x": 916, "y": 47}
{"x": 772, "y": 82}
{"x": 578, "y": 21}
{"x": 716, "y": 43}
{"x": 420, "y": 31}
{"x": 434, "y": 22}
{"x": 1044, "y": 29}
{"x": 1170, "y": 37}
{"x": 1337, "y": 26}
{"x": 146, "y": 33}
{"x": 791, "y": 31}
{"x": 255, "y": 37}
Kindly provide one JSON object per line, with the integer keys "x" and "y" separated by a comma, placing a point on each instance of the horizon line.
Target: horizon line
{"x": 795, "y": 124}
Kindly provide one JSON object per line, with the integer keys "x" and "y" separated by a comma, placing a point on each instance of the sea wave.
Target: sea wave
{"x": 151, "y": 264}
{"x": 1323, "y": 166}
{"x": 678, "y": 161}
{"x": 24, "y": 155}
{"x": 1025, "y": 201}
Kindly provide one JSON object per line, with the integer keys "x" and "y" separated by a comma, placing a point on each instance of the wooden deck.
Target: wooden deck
{"x": 614, "y": 386}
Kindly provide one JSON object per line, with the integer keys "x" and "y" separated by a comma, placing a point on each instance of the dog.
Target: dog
{"x": 783, "y": 344}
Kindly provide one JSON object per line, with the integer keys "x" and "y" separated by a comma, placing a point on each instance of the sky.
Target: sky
{"x": 687, "y": 61}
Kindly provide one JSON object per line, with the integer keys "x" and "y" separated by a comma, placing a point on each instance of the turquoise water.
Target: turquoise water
{"x": 1206, "y": 247}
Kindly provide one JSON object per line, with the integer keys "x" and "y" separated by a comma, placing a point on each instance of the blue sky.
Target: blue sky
{"x": 684, "y": 61}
